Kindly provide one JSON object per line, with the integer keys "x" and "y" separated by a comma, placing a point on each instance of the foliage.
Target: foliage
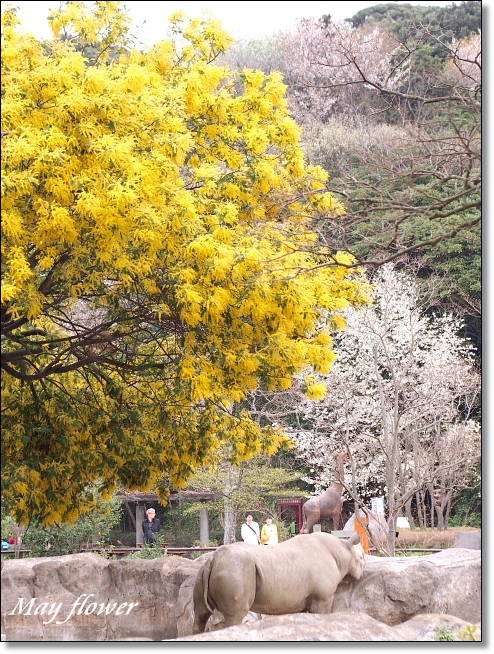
{"x": 258, "y": 480}
{"x": 468, "y": 634}
{"x": 118, "y": 537}
{"x": 457, "y": 267}
{"x": 444, "y": 634}
{"x": 407, "y": 554}
{"x": 259, "y": 485}
{"x": 180, "y": 524}
{"x": 57, "y": 540}
{"x": 458, "y": 20}
{"x": 155, "y": 259}
{"x": 8, "y": 526}
{"x": 154, "y": 551}
{"x": 467, "y": 507}
{"x": 264, "y": 54}
{"x": 348, "y": 148}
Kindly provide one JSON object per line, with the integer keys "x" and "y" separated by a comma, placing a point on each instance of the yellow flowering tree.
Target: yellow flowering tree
{"x": 155, "y": 258}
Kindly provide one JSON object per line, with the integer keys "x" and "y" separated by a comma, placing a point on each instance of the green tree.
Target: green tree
{"x": 458, "y": 20}
{"x": 250, "y": 486}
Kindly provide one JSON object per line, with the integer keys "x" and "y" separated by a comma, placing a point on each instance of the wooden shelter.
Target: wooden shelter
{"x": 144, "y": 500}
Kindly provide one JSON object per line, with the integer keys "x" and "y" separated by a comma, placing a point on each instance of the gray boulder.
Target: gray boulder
{"x": 470, "y": 540}
{"x": 395, "y": 589}
{"x": 151, "y": 585}
{"x": 343, "y": 627}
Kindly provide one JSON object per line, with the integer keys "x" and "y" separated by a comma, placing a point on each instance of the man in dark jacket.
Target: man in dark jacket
{"x": 150, "y": 527}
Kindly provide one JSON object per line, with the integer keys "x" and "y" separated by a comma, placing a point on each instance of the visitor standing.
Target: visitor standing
{"x": 250, "y": 530}
{"x": 150, "y": 527}
{"x": 269, "y": 533}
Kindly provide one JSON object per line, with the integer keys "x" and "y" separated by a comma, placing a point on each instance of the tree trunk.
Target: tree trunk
{"x": 131, "y": 515}
{"x": 230, "y": 520}
{"x": 140, "y": 515}
{"x": 420, "y": 508}
{"x": 430, "y": 488}
{"x": 391, "y": 534}
{"x": 440, "y": 517}
{"x": 179, "y": 519}
{"x": 408, "y": 513}
{"x": 229, "y": 509}
{"x": 448, "y": 509}
{"x": 204, "y": 527}
{"x": 442, "y": 510}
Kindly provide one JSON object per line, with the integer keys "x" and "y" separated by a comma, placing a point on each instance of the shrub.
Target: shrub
{"x": 68, "y": 539}
{"x": 155, "y": 551}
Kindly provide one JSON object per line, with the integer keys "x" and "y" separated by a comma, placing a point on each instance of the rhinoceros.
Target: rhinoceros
{"x": 295, "y": 576}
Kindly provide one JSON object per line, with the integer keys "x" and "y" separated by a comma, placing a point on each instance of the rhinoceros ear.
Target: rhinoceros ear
{"x": 353, "y": 540}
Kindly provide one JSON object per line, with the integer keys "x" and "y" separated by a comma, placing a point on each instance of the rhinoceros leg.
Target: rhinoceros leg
{"x": 201, "y": 615}
{"x": 321, "y": 605}
{"x": 201, "y": 610}
{"x": 234, "y": 592}
{"x": 235, "y": 618}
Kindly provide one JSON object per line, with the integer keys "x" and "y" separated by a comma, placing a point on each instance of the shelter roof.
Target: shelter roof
{"x": 139, "y": 496}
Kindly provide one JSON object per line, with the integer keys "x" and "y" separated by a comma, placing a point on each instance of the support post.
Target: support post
{"x": 140, "y": 515}
{"x": 204, "y": 527}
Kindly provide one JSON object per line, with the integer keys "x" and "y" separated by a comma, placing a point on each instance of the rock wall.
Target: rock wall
{"x": 152, "y": 599}
{"x": 69, "y": 581}
{"x": 394, "y": 589}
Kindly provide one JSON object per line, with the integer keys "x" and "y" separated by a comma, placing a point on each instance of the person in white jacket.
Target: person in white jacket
{"x": 250, "y": 530}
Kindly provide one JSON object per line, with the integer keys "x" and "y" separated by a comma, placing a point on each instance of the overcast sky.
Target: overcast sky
{"x": 248, "y": 20}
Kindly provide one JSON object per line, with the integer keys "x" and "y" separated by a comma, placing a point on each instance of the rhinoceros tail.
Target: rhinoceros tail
{"x": 260, "y": 578}
{"x": 205, "y": 573}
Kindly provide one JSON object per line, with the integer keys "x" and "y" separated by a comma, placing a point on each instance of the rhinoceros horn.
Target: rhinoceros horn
{"x": 353, "y": 540}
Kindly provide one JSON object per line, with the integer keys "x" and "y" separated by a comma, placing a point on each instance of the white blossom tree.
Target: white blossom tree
{"x": 399, "y": 400}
